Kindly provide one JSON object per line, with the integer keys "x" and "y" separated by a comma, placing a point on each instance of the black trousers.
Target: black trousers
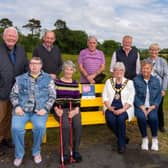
{"x": 161, "y": 114}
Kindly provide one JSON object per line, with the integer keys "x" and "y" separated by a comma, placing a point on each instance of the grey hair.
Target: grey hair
{"x": 10, "y": 28}
{"x": 146, "y": 62}
{"x": 69, "y": 63}
{"x": 119, "y": 65}
{"x": 92, "y": 37}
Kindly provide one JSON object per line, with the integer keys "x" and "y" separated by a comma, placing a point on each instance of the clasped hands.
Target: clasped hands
{"x": 147, "y": 110}
{"x": 19, "y": 111}
{"x": 71, "y": 114}
{"x": 117, "y": 112}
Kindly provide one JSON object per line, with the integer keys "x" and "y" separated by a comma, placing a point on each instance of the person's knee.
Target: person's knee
{"x": 40, "y": 125}
{"x": 17, "y": 126}
{"x": 153, "y": 119}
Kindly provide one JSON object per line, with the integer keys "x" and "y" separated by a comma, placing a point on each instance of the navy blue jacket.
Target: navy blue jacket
{"x": 9, "y": 71}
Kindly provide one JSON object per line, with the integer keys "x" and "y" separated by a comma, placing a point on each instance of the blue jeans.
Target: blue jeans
{"x": 18, "y": 132}
{"x": 117, "y": 125}
{"x": 152, "y": 120}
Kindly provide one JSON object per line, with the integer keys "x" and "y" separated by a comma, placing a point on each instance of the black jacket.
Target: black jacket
{"x": 9, "y": 71}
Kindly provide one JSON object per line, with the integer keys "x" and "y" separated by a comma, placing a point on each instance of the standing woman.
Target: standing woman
{"x": 118, "y": 98}
{"x": 67, "y": 90}
{"x": 160, "y": 70}
{"x": 147, "y": 100}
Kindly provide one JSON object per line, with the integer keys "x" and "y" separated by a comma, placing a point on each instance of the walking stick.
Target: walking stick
{"x": 71, "y": 160}
{"x": 61, "y": 143}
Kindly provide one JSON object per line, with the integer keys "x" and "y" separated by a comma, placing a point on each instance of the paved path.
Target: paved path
{"x": 99, "y": 155}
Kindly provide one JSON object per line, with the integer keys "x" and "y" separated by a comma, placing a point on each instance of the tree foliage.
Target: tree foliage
{"x": 34, "y": 26}
{"x": 5, "y": 22}
{"x": 60, "y": 25}
{"x": 70, "y": 41}
{"x": 109, "y": 46}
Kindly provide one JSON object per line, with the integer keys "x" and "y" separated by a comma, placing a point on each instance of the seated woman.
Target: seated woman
{"x": 118, "y": 98}
{"x": 147, "y": 100}
{"x": 68, "y": 91}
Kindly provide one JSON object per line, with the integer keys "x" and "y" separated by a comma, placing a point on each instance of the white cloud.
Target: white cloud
{"x": 145, "y": 20}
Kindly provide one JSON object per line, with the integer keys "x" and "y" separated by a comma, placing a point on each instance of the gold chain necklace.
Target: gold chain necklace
{"x": 117, "y": 91}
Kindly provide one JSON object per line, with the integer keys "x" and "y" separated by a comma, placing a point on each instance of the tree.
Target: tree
{"x": 109, "y": 46}
{"x": 5, "y": 22}
{"x": 34, "y": 26}
{"x": 60, "y": 24}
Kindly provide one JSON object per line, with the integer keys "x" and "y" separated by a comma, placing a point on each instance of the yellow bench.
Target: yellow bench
{"x": 89, "y": 117}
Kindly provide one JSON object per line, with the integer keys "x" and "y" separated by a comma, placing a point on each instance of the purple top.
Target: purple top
{"x": 67, "y": 91}
{"x": 91, "y": 62}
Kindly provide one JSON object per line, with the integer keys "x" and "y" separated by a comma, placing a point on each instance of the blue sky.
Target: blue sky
{"x": 145, "y": 20}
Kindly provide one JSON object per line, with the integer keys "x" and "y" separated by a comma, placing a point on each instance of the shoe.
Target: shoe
{"x": 66, "y": 159}
{"x": 77, "y": 157}
{"x": 17, "y": 162}
{"x": 127, "y": 140}
{"x": 155, "y": 146}
{"x": 121, "y": 150}
{"x": 162, "y": 129}
{"x": 144, "y": 145}
{"x": 8, "y": 143}
{"x": 2, "y": 153}
{"x": 38, "y": 158}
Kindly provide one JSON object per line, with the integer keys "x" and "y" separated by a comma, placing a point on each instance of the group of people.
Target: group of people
{"x": 30, "y": 90}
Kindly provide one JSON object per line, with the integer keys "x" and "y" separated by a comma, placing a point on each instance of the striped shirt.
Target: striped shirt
{"x": 67, "y": 92}
{"x": 91, "y": 62}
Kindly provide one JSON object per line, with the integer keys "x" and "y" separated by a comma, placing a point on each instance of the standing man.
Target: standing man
{"x": 32, "y": 96}
{"x": 129, "y": 56}
{"x": 13, "y": 63}
{"x": 91, "y": 62}
{"x": 50, "y": 55}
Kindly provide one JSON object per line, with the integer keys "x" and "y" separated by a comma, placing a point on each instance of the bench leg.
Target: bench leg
{"x": 45, "y": 138}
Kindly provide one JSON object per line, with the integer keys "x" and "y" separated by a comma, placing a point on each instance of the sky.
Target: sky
{"x": 145, "y": 20}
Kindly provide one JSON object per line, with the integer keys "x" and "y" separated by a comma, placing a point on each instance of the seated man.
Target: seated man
{"x": 32, "y": 96}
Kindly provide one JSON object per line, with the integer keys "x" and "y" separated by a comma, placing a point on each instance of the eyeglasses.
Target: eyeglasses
{"x": 33, "y": 63}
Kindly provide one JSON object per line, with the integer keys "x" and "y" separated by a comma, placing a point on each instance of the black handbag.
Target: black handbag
{"x": 99, "y": 78}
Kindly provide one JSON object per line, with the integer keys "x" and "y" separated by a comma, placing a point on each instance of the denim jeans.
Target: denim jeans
{"x": 152, "y": 120}
{"x": 117, "y": 125}
{"x": 18, "y": 132}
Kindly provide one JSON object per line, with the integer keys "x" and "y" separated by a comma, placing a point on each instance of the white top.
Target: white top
{"x": 147, "y": 104}
{"x": 127, "y": 95}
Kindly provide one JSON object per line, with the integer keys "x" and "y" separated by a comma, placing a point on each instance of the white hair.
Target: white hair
{"x": 119, "y": 65}
{"x": 92, "y": 37}
{"x": 10, "y": 28}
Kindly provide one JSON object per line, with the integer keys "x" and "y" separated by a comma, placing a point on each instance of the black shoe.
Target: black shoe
{"x": 162, "y": 129}
{"x": 121, "y": 150}
{"x": 77, "y": 157}
{"x": 127, "y": 140}
{"x": 66, "y": 160}
{"x": 7, "y": 142}
{"x": 2, "y": 153}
